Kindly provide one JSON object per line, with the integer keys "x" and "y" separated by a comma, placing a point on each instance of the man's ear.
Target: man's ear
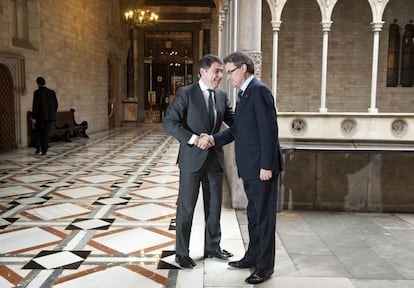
{"x": 243, "y": 68}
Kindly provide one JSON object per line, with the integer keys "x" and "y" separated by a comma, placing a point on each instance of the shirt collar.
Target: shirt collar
{"x": 203, "y": 86}
{"x": 246, "y": 83}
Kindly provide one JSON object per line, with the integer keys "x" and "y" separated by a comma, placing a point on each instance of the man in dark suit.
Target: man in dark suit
{"x": 44, "y": 109}
{"x": 258, "y": 160}
{"x": 199, "y": 108}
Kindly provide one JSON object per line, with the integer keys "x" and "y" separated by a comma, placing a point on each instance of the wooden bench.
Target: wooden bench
{"x": 64, "y": 127}
{"x": 65, "y": 120}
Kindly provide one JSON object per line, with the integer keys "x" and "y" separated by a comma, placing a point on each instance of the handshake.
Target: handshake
{"x": 204, "y": 141}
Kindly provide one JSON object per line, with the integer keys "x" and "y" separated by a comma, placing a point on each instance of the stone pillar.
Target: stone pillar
{"x": 326, "y": 27}
{"x": 276, "y": 28}
{"x": 130, "y": 103}
{"x": 250, "y": 31}
{"x": 249, "y": 41}
{"x": 222, "y": 18}
{"x": 376, "y": 28}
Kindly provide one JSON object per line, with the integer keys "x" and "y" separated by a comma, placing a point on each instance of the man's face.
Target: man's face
{"x": 213, "y": 75}
{"x": 235, "y": 74}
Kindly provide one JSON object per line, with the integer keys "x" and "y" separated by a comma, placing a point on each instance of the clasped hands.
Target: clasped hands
{"x": 204, "y": 141}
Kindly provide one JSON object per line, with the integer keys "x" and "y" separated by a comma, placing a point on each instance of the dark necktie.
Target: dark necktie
{"x": 239, "y": 95}
{"x": 211, "y": 107}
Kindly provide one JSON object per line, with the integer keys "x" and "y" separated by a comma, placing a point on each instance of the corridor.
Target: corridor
{"x": 99, "y": 213}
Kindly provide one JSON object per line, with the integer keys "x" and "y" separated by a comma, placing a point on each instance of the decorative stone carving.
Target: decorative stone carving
{"x": 17, "y": 68}
{"x": 348, "y": 127}
{"x": 399, "y": 128}
{"x": 257, "y": 60}
{"x": 298, "y": 127}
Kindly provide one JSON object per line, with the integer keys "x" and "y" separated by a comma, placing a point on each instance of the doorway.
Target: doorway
{"x": 168, "y": 66}
{"x": 7, "y": 110}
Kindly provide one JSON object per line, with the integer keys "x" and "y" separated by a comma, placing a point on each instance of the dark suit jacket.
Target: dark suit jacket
{"x": 45, "y": 104}
{"x": 255, "y": 133}
{"x": 188, "y": 115}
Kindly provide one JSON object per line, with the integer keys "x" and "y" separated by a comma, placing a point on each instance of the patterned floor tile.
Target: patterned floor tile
{"x": 57, "y": 260}
{"x": 98, "y": 210}
{"x": 15, "y": 191}
{"x": 157, "y": 192}
{"x": 146, "y": 211}
{"x": 134, "y": 240}
{"x": 23, "y": 239}
{"x": 90, "y": 224}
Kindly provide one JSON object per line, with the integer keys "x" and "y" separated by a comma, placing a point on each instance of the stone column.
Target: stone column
{"x": 249, "y": 41}
{"x": 276, "y": 28}
{"x": 376, "y": 28}
{"x": 139, "y": 83}
{"x": 130, "y": 103}
{"x": 250, "y": 31}
{"x": 326, "y": 27}
{"x": 222, "y": 19}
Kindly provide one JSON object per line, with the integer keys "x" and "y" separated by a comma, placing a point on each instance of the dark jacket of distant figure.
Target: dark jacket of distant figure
{"x": 45, "y": 104}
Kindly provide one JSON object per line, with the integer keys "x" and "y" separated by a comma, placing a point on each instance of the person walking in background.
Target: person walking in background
{"x": 199, "y": 108}
{"x": 259, "y": 162}
{"x": 45, "y": 105}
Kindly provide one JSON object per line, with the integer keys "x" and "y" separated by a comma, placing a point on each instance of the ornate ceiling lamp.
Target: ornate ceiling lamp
{"x": 140, "y": 17}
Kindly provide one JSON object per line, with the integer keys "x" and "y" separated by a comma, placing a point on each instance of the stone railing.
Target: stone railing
{"x": 326, "y": 138}
{"x": 346, "y": 129}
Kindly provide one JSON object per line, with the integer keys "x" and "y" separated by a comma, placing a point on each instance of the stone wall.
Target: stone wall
{"x": 69, "y": 45}
{"x": 376, "y": 181}
{"x": 350, "y": 52}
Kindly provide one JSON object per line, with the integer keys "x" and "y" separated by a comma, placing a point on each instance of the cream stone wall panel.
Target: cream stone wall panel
{"x": 350, "y": 57}
{"x": 73, "y": 57}
{"x": 71, "y": 42}
{"x": 299, "y": 60}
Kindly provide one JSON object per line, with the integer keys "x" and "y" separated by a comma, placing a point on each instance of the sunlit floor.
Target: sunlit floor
{"x": 100, "y": 212}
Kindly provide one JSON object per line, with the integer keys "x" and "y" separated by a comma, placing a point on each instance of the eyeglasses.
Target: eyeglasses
{"x": 231, "y": 71}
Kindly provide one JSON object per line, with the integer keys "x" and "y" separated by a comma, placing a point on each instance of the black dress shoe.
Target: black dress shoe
{"x": 242, "y": 263}
{"x": 37, "y": 151}
{"x": 219, "y": 253}
{"x": 185, "y": 261}
{"x": 259, "y": 276}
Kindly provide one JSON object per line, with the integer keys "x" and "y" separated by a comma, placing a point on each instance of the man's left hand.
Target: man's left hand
{"x": 265, "y": 174}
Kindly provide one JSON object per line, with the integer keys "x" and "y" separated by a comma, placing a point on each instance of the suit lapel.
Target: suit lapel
{"x": 245, "y": 99}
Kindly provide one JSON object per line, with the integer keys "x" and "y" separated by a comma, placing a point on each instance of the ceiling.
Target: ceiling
{"x": 183, "y": 3}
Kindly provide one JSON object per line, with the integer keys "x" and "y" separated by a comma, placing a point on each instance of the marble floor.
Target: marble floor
{"x": 100, "y": 212}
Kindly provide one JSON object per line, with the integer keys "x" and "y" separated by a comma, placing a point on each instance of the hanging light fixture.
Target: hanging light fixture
{"x": 140, "y": 17}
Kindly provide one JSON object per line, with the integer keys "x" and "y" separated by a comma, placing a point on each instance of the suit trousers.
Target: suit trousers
{"x": 261, "y": 216}
{"x": 210, "y": 176}
{"x": 42, "y": 129}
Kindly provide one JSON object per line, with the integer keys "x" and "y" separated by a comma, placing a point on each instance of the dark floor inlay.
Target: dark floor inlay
{"x": 29, "y": 200}
{"x": 112, "y": 201}
{"x": 51, "y": 259}
{"x": 5, "y": 222}
{"x": 90, "y": 224}
{"x": 173, "y": 225}
{"x": 163, "y": 264}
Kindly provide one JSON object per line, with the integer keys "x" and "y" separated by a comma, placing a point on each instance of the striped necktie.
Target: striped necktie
{"x": 211, "y": 107}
